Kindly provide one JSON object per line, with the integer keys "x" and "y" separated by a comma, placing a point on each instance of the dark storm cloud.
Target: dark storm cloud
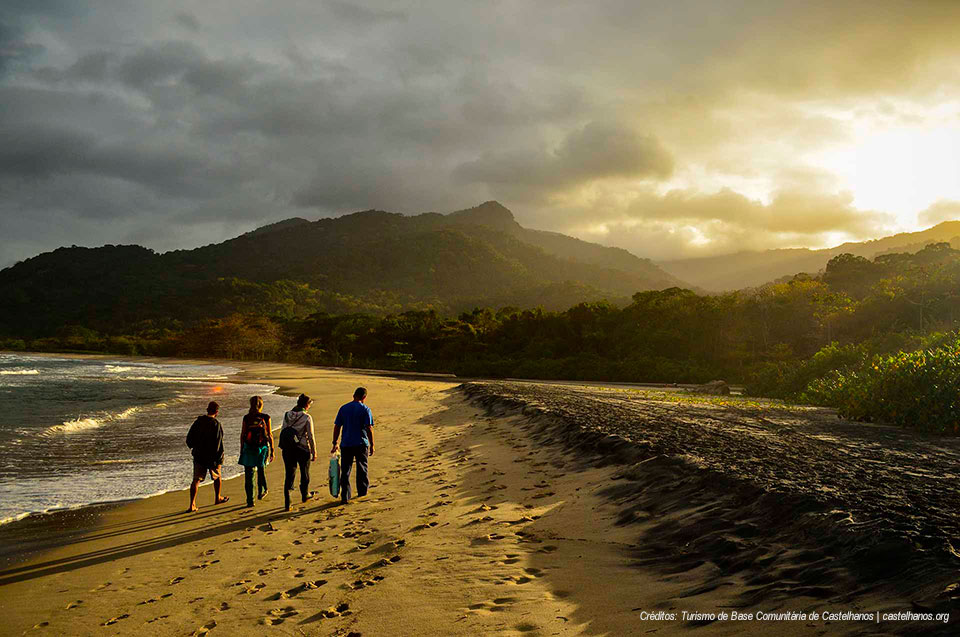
{"x": 187, "y": 21}
{"x": 360, "y": 16}
{"x": 186, "y": 123}
{"x": 13, "y": 49}
{"x": 598, "y": 150}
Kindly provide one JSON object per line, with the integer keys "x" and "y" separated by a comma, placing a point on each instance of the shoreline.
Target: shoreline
{"x": 483, "y": 516}
{"x": 7, "y": 555}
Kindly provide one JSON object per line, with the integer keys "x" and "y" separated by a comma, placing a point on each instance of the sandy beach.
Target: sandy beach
{"x": 484, "y": 516}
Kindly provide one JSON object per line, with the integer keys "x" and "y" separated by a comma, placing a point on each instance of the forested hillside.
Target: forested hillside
{"x": 371, "y": 261}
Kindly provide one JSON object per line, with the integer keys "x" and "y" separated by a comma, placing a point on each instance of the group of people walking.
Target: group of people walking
{"x": 297, "y": 445}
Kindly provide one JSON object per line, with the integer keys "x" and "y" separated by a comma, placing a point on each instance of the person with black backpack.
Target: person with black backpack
{"x": 298, "y": 448}
{"x": 256, "y": 448}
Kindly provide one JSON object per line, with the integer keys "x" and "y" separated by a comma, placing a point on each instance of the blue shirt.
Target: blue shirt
{"x": 354, "y": 418}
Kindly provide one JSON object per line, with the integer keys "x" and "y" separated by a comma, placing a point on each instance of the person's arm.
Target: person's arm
{"x": 269, "y": 427}
{"x": 243, "y": 432}
{"x": 370, "y": 428}
{"x": 336, "y": 437}
{"x": 310, "y": 440}
{"x": 219, "y": 443}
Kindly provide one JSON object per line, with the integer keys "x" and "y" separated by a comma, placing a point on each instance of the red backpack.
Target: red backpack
{"x": 256, "y": 430}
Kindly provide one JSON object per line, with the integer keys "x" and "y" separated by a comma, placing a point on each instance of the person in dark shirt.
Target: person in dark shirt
{"x": 205, "y": 438}
{"x": 355, "y": 420}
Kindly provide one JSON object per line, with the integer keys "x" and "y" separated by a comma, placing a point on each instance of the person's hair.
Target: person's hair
{"x": 213, "y": 407}
{"x": 303, "y": 400}
{"x": 256, "y": 404}
{"x": 361, "y": 392}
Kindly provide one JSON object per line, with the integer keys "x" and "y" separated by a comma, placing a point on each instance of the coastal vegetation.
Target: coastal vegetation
{"x": 476, "y": 295}
{"x": 873, "y": 338}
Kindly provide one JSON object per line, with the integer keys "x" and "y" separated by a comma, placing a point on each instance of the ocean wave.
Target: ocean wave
{"x": 83, "y": 424}
{"x": 19, "y": 372}
{"x": 117, "y": 369}
{"x": 121, "y": 461}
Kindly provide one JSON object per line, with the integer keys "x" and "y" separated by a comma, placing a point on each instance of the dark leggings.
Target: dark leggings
{"x": 248, "y": 482}
{"x": 293, "y": 458}
{"x": 349, "y": 455}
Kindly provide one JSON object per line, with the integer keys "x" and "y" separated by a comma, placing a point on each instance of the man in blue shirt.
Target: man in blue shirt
{"x": 355, "y": 420}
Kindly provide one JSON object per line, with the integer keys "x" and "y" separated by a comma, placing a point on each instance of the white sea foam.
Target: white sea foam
{"x": 117, "y": 369}
{"x": 73, "y": 426}
{"x": 19, "y": 372}
{"x": 83, "y": 424}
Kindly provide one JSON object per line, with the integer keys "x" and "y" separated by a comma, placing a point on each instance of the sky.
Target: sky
{"x": 672, "y": 129}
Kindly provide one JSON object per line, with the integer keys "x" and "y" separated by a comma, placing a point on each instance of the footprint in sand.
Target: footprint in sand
{"x": 342, "y": 566}
{"x": 114, "y": 620}
{"x": 341, "y": 609}
{"x": 253, "y": 590}
{"x": 156, "y": 619}
{"x": 101, "y": 587}
{"x": 360, "y": 584}
{"x": 222, "y": 607}
{"x": 497, "y": 605}
{"x": 175, "y": 580}
{"x": 287, "y": 594}
{"x": 41, "y": 625}
{"x": 421, "y": 527}
{"x": 74, "y": 604}
{"x": 486, "y": 539}
{"x": 206, "y": 628}
{"x": 317, "y": 583}
{"x": 280, "y": 558}
{"x": 205, "y": 564}
{"x": 385, "y": 562}
{"x": 279, "y": 615}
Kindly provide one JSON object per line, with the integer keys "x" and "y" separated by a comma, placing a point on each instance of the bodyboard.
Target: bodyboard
{"x": 335, "y": 475}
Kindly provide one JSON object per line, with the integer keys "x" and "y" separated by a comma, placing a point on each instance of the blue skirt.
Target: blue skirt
{"x": 251, "y": 456}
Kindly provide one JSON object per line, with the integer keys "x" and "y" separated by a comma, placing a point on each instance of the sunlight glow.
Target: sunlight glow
{"x": 902, "y": 169}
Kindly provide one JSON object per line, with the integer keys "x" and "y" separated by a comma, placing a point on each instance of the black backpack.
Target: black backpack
{"x": 289, "y": 438}
{"x": 256, "y": 431}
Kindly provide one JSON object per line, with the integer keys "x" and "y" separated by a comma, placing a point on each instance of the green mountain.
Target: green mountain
{"x": 371, "y": 261}
{"x": 751, "y": 269}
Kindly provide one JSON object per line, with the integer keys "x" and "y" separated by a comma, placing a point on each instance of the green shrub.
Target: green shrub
{"x": 918, "y": 389}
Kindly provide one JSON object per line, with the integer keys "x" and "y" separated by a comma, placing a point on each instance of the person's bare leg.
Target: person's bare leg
{"x": 193, "y": 495}
{"x": 216, "y": 492}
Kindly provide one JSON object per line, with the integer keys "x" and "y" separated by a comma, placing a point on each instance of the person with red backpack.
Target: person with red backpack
{"x": 256, "y": 448}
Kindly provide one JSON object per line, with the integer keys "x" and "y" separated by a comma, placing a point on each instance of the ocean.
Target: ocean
{"x": 81, "y": 431}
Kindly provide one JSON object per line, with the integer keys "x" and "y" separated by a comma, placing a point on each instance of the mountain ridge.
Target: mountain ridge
{"x": 357, "y": 262}
{"x": 754, "y": 268}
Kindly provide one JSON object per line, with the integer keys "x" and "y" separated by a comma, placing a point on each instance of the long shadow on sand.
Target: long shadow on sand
{"x": 217, "y": 526}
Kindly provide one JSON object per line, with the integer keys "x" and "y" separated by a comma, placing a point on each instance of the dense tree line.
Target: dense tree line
{"x": 776, "y": 339}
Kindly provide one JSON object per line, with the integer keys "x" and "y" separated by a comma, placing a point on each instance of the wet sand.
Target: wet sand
{"x": 490, "y": 512}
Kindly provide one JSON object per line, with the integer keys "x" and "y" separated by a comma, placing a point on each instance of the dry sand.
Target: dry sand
{"x": 475, "y": 523}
